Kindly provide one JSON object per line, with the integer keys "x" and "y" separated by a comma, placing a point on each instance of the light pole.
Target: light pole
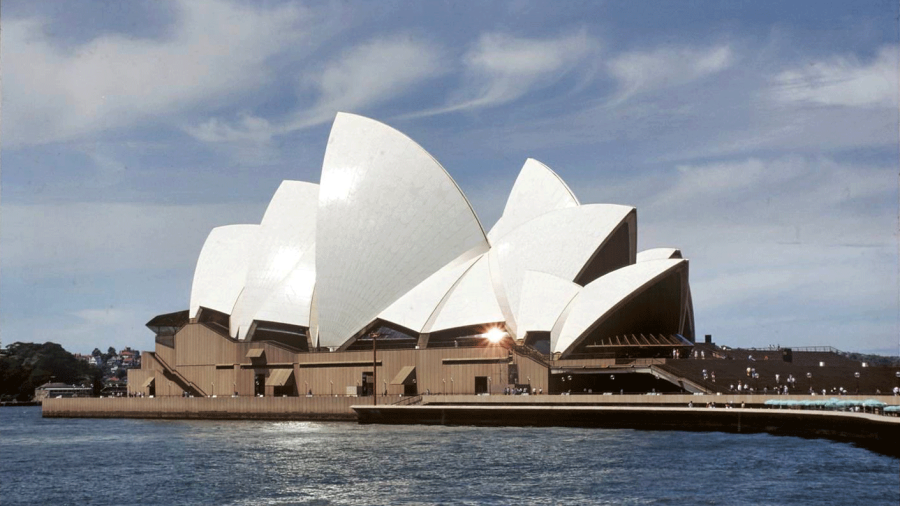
{"x": 374, "y": 370}
{"x": 489, "y": 386}
{"x": 451, "y": 385}
{"x": 856, "y": 375}
{"x": 212, "y": 388}
{"x": 809, "y": 377}
{"x": 331, "y": 388}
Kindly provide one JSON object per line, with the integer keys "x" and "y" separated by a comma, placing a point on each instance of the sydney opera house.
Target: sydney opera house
{"x": 381, "y": 279}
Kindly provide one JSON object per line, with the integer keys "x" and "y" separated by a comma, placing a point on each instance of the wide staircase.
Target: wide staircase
{"x": 176, "y": 377}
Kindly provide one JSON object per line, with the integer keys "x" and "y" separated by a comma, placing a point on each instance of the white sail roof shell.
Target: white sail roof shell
{"x": 416, "y": 306}
{"x": 285, "y": 244}
{"x": 470, "y": 302}
{"x": 658, "y": 254}
{"x": 559, "y": 243}
{"x": 222, "y": 268}
{"x": 544, "y": 296}
{"x": 389, "y": 217}
{"x": 537, "y": 190}
{"x": 600, "y": 298}
{"x": 291, "y": 300}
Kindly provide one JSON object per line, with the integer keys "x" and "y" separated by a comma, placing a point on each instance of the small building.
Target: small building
{"x": 55, "y": 390}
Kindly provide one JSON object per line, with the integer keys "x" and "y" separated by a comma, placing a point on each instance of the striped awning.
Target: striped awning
{"x": 279, "y": 377}
{"x": 404, "y": 375}
{"x": 148, "y": 381}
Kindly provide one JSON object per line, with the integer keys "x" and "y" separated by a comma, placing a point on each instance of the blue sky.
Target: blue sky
{"x": 761, "y": 138}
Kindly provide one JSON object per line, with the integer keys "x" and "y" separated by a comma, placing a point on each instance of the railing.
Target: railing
{"x": 528, "y": 351}
{"x": 676, "y": 379}
{"x": 177, "y": 374}
{"x": 820, "y": 349}
{"x": 408, "y": 401}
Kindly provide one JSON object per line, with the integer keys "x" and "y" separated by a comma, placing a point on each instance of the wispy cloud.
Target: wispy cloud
{"x": 215, "y": 50}
{"x": 501, "y": 68}
{"x": 642, "y": 71}
{"x": 365, "y": 76}
{"x": 843, "y": 81}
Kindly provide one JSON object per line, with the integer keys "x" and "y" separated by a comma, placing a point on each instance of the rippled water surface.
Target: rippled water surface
{"x": 83, "y": 461}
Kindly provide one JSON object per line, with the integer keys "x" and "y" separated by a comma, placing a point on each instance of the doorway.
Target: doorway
{"x": 368, "y": 384}
{"x": 481, "y": 385}
{"x": 259, "y": 385}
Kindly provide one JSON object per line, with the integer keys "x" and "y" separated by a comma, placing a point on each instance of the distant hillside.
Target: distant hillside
{"x": 27, "y": 366}
{"x": 874, "y": 360}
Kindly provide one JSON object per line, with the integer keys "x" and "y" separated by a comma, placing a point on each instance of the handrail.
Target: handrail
{"x": 528, "y": 351}
{"x": 408, "y": 401}
{"x": 687, "y": 384}
{"x": 174, "y": 372}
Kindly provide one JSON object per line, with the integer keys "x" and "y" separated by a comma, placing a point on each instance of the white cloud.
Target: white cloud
{"x": 643, "y": 71}
{"x": 214, "y": 50}
{"x": 500, "y": 68}
{"x": 249, "y": 128}
{"x": 843, "y": 81}
{"x": 365, "y": 76}
{"x": 372, "y": 73}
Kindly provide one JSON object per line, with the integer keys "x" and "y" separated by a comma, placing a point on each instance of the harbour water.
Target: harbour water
{"x": 116, "y": 461}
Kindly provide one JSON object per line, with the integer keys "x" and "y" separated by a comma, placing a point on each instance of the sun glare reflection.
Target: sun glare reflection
{"x": 494, "y": 335}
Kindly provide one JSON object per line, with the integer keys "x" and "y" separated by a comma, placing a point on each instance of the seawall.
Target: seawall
{"x": 215, "y": 408}
{"x": 878, "y": 433}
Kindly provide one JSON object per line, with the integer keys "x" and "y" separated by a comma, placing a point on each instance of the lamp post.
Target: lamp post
{"x": 212, "y": 388}
{"x": 307, "y": 387}
{"x": 331, "y": 389}
{"x": 444, "y": 381}
{"x": 489, "y": 385}
{"x": 897, "y": 374}
{"x": 451, "y": 385}
{"x": 374, "y": 370}
{"x": 809, "y": 378}
{"x": 856, "y": 375}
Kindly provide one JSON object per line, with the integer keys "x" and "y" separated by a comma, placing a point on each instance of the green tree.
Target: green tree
{"x": 30, "y": 365}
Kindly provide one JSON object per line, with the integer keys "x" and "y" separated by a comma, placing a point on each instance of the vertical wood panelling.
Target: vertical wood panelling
{"x": 199, "y": 350}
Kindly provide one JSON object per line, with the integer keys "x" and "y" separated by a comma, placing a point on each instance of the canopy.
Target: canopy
{"x": 404, "y": 375}
{"x": 279, "y": 377}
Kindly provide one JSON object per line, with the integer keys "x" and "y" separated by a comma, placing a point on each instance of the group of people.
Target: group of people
{"x": 522, "y": 391}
